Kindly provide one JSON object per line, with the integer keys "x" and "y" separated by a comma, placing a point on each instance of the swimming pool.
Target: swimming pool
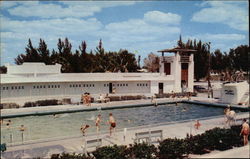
{"x": 68, "y": 124}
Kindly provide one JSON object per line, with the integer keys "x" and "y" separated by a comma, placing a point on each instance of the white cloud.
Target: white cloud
{"x": 75, "y": 9}
{"x": 143, "y": 29}
{"x": 233, "y": 14}
{"x": 220, "y": 41}
{"x": 58, "y": 27}
{"x": 217, "y": 37}
{"x": 227, "y": 37}
{"x": 160, "y": 17}
{"x": 7, "y": 4}
{"x": 145, "y": 36}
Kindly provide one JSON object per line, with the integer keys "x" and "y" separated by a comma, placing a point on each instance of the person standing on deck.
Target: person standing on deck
{"x": 98, "y": 122}
{"x": 245, "y": 131}
{"x": 112, "y": 123}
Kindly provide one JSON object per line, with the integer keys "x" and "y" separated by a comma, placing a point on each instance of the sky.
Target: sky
{"x": 141, "y": 27}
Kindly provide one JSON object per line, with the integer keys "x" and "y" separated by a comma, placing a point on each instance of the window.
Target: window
{"x": 55, "y": 86}
{"x": 70, "y": 85}
{"x": 22, "y": 87}
{"x": 146, "y": 84}
{"x": 7, "y": 88}
{"x": 140, "y": 84}
{"x": 79, "y": 85}
{"x": 52, "y": 86}
{"x": 137, "y": 84}
{"x": 83, "y": 85}
{"x": 73, "y": 85}
{"x": 143, "y": 84}
{"x": 3, "y": 88}
{"x": 12, "y": 87}
{"x": 44, "y": 86}
{"x": 76, "y": 85}
{"x": 34, "y": 87}
{"x": 126, "y": 84}
{"x": 104, "y": 85}
{"x": 49, "y": 86}
{"x": 90, "y": 85}
{"x": 15, "y": 87}
{"x": 41, "y": 86}
{"x": 58, "y": 86}
{"x": 93, "y": 85}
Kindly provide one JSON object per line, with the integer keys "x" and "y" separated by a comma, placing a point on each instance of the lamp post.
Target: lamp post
{"x": 208, "y": 72}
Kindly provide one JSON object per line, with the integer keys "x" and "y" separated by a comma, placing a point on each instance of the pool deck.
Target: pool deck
{"x": 45, "y": 110}
{"x": 45, "y": 149}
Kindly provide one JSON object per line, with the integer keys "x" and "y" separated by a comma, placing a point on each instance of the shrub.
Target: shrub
{"x": 110, "y": 152}
{"x": 173, "y": 148}
{"x": 42, "y": 103}
{"x": 236, "y": 139}
{"x": 197, "y": 144}
{"x": 114, "y": 98}
{"x": 71, "y": 156}
{"x": 214, "y": 139}
{"x": 219, "y": 139}
{"x": 29, "y": 104}
{"x": 142, "y": 151}
{"x": 47, "y": 102}
{"x": 9, "y": 105}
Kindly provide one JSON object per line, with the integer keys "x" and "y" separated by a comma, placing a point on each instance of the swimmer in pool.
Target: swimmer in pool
{"x": 55, "y": 116}
{"x": 8, "y": 126}
{"x": 22, "y": 128}
{"x": 184, "y": 109}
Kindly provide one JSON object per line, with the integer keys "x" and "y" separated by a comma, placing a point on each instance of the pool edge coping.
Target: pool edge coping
{"x": 97, "y": 108}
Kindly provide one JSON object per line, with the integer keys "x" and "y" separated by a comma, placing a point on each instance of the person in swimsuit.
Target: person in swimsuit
{"x": 88, "y": 98}
{"x": 83, "y": 129}
{"x": 245, "y": 131}
{"x": 22, "y": 128}
{"x": 112, "y": 123}
{"x": 98, "y": 122}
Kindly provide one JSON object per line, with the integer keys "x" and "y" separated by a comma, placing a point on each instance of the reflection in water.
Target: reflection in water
{"x": 42, "y": 127}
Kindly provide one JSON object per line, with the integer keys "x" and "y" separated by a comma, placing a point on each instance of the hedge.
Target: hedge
{"x": 214, "y": 139}
{"x": 42, "y": 103}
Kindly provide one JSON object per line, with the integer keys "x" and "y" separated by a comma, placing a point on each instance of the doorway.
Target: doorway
{"x": 160, "y": 88}
{"x": 110, "y": 88}
{"x": 184, "y": 73}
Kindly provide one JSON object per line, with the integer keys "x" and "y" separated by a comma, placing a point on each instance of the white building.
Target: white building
{"x": 37, "y": 80}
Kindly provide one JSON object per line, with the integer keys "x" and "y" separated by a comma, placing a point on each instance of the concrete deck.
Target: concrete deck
{"x": 180, "y": 129}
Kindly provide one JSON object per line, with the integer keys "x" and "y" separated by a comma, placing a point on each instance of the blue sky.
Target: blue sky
{"x": 141, "y": 26}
